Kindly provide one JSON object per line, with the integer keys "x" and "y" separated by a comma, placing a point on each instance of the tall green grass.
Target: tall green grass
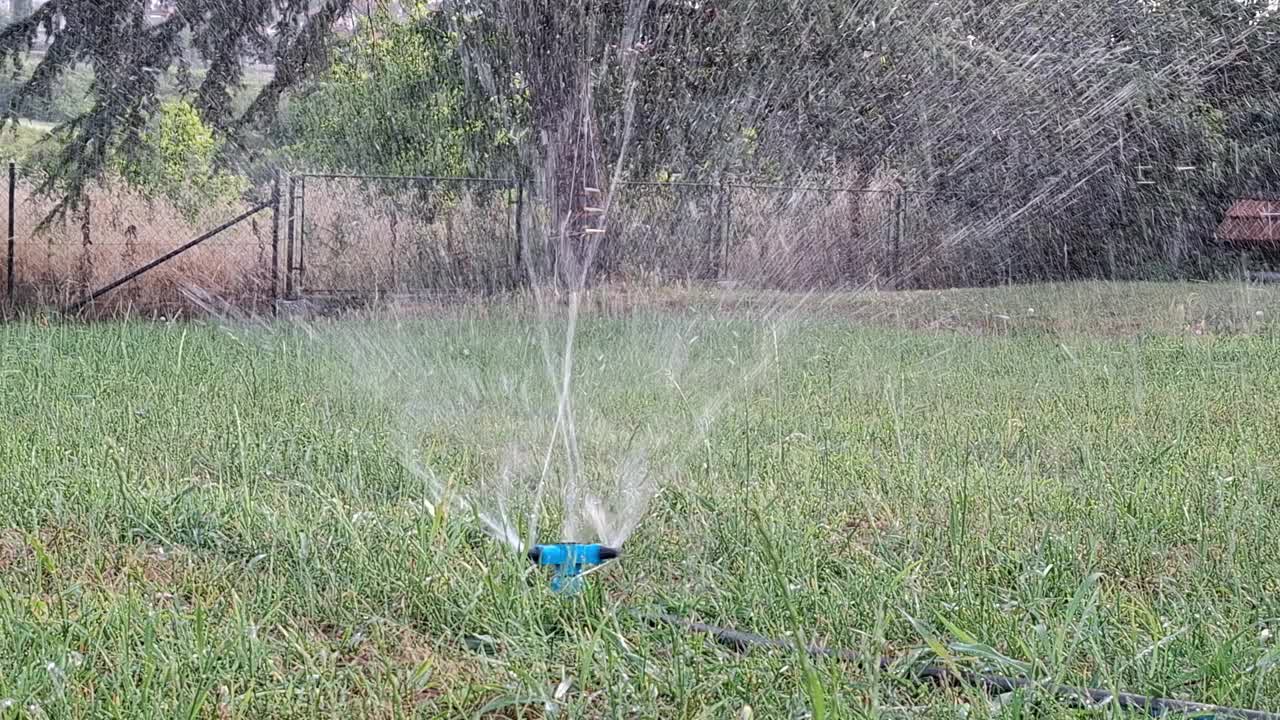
{"x": 196, "y": 525}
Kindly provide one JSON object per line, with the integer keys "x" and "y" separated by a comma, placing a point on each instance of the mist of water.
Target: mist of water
{"x": 563, "y": 428}
{"x": 888, "y": 145}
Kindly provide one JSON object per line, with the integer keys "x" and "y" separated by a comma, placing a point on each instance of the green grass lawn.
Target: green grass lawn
{"x": 196, "y": 523}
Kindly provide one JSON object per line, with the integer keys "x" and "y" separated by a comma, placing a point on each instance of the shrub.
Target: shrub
{"x": 177, "y": 162}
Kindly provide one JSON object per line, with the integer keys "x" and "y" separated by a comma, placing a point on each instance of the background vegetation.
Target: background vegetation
{"x": 1056, "y": 116}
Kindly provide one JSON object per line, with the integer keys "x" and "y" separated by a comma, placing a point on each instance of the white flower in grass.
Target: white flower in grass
{"x": 1265, "y": 635}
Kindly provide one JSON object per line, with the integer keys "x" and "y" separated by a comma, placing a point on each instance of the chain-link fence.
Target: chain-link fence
{"x": 362, "y": 235}
{"x": 666, "y": 231}
{"x": 61, "y": 258}
{"x": 374, "y": 236}
{"x": 804, "y": 237}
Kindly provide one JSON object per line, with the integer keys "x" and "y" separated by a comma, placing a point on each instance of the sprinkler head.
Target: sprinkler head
{"x": 570, "y": 561}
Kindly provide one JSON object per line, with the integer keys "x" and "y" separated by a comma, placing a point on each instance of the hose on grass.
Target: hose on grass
{"x": 1079, "y": 697}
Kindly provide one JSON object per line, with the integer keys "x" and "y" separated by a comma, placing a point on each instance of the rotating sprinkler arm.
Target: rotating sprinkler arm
{"x": 572, "y": 561}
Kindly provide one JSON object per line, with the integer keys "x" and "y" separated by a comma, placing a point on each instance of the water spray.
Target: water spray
{"x": 571, "y": 561}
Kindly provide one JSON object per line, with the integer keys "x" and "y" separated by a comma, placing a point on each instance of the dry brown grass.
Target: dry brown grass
{"x": 14, "y": 550}
{"x": 361, "y": 238}
{"x": 392, "y": 238}
{"x": 805, "y": 238}
{"x": 115, "y": 231}
{"x": 763, "y": 236}
{"x": 388, "y": 236}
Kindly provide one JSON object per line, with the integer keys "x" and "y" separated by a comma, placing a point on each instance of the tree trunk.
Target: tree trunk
{"x": 573, "y": 182}
{"x": 84, "y": 268}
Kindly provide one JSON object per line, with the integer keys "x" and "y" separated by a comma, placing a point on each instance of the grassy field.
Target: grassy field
{"x": 17, "y": 143}
{"x": 196, "y": 524}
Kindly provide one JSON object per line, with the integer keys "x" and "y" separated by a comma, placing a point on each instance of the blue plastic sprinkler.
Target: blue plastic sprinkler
{"x": 571, "y": 560}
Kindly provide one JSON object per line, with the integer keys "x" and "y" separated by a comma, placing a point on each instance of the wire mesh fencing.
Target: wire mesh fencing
{"x": 665, "y": 231}
{"x": 965, "y": 239}
{"x": 373, "y": 236}
{"x": 807, "y": 236}
{"x": 770, "y": 236}
{"x": 361, "y": 235}
{"x": 60, "y": 259}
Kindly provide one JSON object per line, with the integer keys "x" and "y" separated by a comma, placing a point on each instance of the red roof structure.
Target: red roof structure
{"x": 1251, "y": 225}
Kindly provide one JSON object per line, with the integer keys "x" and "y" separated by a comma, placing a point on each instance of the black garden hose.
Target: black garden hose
{"x": 1074, "y": 696}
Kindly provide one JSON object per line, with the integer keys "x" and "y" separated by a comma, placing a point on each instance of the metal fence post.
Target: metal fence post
{"x": 517, "y": 270}
{"x": 302, "y": 235}
{"x": 895, "y": 233}
{"x": 854, "y": 241}
{"x": 726, "y": 227}
{"x": 288, "y": 250}
{"x": 275, "y": 241}
{"x": 395, "y": 248}
{"x": 13, "y": 183}
{"x": 85, "y": 265}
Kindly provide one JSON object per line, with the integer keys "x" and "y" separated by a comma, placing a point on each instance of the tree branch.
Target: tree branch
{"x": 295, "y": 61}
